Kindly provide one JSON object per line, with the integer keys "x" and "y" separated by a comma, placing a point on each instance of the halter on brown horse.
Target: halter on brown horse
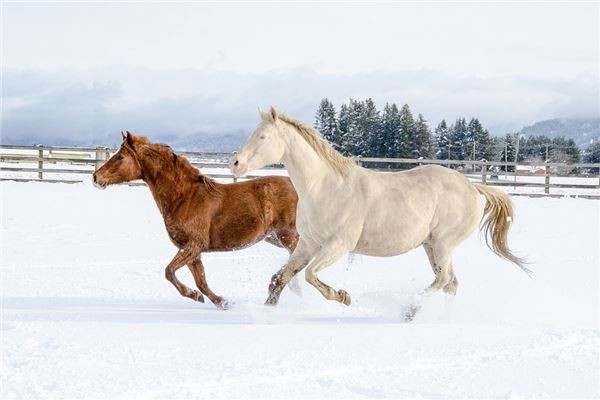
{"x": 203, "y": 215}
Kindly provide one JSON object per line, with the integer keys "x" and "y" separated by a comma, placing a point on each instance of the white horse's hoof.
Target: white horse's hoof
{"x": 272, "y": 300}
{"x": 344, "y": 297}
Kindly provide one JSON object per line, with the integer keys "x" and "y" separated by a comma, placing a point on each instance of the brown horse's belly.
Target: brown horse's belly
{"x": 236, "y": 234}
{"x": 238, "y": 245}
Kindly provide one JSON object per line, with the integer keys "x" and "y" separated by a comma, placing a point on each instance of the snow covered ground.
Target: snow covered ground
{"x": 87, "y": 313}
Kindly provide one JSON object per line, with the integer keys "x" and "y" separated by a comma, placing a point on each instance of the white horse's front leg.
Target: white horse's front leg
{"x": 326, "y": 257}
{"x": 298, "y": 260}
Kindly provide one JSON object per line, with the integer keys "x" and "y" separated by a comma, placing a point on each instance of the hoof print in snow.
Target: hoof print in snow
{"x": 411, "y": 312}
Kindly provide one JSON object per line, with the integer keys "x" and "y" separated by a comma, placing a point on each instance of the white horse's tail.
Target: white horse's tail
{"x": 497, "y": 217}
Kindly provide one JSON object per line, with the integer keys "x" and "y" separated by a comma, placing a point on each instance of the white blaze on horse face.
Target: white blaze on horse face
{"x": 264, "y": 147}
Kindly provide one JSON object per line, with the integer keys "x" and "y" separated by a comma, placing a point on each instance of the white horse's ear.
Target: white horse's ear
{"x": 265, "y": 116}
{"x": 273, "y": 113}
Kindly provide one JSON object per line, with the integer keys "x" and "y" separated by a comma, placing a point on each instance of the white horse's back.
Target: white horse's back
{"x": 410, "y": 207}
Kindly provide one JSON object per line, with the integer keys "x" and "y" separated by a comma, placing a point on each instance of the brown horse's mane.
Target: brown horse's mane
{"x": 164, "y": 155}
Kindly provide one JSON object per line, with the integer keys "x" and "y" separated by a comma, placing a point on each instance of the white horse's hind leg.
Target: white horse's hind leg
{"x": 326, "y": 257}
{"x": 440, "y": 258}
{"x": 452, "y": 286}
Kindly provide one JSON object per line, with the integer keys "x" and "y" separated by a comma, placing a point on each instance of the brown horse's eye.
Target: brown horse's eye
{"x": 119, "y": 157}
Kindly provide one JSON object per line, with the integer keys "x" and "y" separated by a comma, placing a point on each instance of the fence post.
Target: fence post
{"x": 40, "y": 161}
{"x": 547, "y": 179}
{"x": 484, "y": 171}
{"x": 97, "y": 158}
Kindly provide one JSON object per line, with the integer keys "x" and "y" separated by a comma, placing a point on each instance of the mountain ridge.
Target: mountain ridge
{"x": 584, "y": 131}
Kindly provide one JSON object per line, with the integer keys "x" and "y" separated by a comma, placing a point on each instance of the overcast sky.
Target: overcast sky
{"x": 93, "y": 69}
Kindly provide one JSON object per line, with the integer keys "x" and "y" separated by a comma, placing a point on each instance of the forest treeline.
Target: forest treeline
{"x": 360, "y": 129}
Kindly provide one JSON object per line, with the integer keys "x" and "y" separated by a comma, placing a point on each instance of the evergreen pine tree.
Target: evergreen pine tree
{"x": 442, "y": 141}
{"x": 407, "y": 133}
{"x": 592, "y": 155}
{"x": 508, "y": 151}
{"x": 326, "y": 123}
{"x": 494, "y": 149}
{"x": 390, "y": 127}
{"x": 370, "y": 125}
{"x": 458, "y": 145}
{"x": 487, "y": 145}
{"x": 353, "y": 143}
{"x": 423, "y": 143}
{"x": 343, "y": 123}
{"x": 564, "y": 150}
{"x": 472, "y": 147}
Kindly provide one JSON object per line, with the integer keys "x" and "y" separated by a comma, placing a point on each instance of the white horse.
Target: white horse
{"x": 344, "y": 208}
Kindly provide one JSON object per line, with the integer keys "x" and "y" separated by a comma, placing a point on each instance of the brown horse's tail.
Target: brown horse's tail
{"x": 498, "y": 215}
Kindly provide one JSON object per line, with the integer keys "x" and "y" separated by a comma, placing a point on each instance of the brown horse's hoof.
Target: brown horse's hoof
{"x": 222, "y": 304}
{"x": 344, "y": 297}
{"x": 199, "y": 297}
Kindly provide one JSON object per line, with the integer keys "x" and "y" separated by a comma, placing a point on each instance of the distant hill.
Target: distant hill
{"x": 582, "y": 131}
{"x": 225, "y": 143}
{"x": 203, "y": 142}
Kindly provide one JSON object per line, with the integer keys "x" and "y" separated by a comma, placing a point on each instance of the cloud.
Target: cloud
{"x": 40, "y": 109}
{"x": 92, "y": 106}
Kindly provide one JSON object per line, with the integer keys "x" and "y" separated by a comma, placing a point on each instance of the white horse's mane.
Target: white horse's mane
{"x": 338, "y": 162}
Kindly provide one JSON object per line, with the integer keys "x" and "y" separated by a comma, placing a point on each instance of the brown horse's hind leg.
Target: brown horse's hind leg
{"x": 284, "y": 238}
{"x": 197, "y": 269}
{"x": 182, "y": 258}
{"x": 288, "y": 239}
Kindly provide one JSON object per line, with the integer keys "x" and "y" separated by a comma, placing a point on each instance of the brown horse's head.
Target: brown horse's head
{"x": 123, "y": 166}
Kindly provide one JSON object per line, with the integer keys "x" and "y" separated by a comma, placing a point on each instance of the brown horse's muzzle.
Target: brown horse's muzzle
{"x": 99, "y": 185}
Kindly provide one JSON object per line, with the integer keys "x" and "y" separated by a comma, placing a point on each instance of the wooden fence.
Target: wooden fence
{"x": 73, "y": 163}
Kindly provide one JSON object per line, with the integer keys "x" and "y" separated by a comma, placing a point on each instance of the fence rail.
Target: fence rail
{"x": 44, "y": 161}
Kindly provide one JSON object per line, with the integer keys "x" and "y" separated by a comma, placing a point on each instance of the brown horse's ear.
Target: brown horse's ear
{"x": 273, "y": 113}
{"x": 130, "y": 138}
{"x": 123, "y": 134}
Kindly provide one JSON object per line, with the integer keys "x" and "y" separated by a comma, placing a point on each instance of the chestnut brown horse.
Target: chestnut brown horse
{"x": 200, "y": 214}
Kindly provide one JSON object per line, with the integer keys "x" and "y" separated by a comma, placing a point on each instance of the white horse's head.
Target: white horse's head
{"x": 264, "y": 147}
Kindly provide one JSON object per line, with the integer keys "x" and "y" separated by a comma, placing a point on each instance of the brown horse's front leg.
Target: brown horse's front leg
{"x": 182, "y": 258}
{"x": 197, "y": 269}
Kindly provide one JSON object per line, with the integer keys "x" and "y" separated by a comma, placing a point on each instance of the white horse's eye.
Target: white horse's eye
{"x": 262, "y": 137}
